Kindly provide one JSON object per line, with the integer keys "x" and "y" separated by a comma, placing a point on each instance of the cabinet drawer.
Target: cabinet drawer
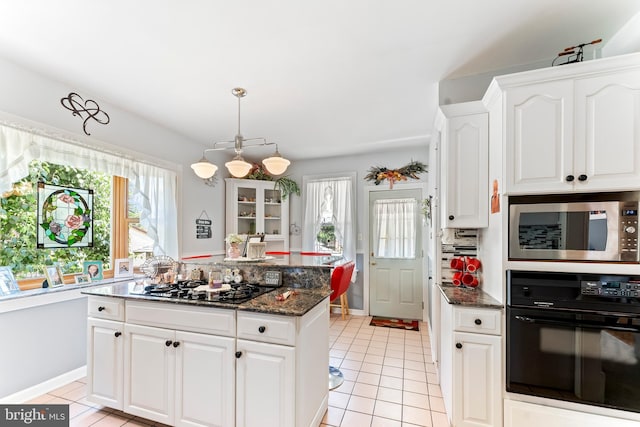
{"x": 267, "y": 328}
{"x": 485, "y": 321}
{"x": 106, "y": 308}
{"x": 207, "y": 320}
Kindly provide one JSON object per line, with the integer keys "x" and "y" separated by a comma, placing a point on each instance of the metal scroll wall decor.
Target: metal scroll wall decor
{"x": 88, "y": 109}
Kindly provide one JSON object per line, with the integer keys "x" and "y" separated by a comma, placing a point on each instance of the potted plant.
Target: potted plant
{"x": 285, "y": 184}
{"x": 233, "y": 240}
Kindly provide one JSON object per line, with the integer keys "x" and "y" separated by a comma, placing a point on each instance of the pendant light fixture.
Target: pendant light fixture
{"x": 238, "y": 167}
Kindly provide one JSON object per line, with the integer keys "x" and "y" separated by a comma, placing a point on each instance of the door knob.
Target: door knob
{"x": 168, "y": 343}
{"x": 117, "y": 334}
{"x": 582, "y": 177}
{"x": 373, "y": 263}
{"x": 176, "y": 344}
{"x": 458, "y": 345}
{"x": 238, "y": 354}
{"x": 570, "y": 178}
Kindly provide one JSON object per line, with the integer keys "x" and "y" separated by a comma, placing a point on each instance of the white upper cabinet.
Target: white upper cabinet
{"x": 572, "y": 129}
{"x": 539, "y": 137}
{"x": 607, "y": 126}
{"x": 255, "y": 206}
{"x": 464, "y": 165}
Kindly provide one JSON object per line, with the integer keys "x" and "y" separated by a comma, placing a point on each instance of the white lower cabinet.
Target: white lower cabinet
{"x": 265, "y": 385}
{"x": 282, "y": 368}
{"x": 188, "y": 366}
{"x": 205, "y": 380}
{"x": 470, "y": 367}
{"x": 104, "y": 362}
{"x": 179, "y": 378}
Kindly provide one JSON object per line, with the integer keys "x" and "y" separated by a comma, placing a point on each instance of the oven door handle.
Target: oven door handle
{"x": 528, "y": 319}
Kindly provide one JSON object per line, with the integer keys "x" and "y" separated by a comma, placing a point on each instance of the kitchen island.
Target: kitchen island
{"x": 261, "y": 362}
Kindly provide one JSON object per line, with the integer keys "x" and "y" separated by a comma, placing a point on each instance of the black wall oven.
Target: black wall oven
{"x": 574, "y": 337}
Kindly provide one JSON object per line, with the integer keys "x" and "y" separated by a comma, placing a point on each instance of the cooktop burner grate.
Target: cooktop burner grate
{"x": 239, "y": 292}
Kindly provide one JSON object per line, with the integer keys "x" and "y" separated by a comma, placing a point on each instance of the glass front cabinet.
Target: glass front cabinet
{"x": 255, "y": 206}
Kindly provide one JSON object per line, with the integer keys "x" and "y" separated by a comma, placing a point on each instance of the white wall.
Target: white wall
{"x": 41, "y": 343}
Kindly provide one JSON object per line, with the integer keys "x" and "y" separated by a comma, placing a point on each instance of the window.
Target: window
{"x": 329, "y": 215}
{"x": 111, "y": 231}
{"x": 143, "y": 199}
{"x": 394, "y": 228}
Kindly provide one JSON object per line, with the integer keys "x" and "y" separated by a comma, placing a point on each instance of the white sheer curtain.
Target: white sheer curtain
{"x": 154, "y": 186}
{"x": 394, "y": 228}
{"x": 342, "y": 208}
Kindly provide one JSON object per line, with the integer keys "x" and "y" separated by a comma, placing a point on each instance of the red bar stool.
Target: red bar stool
{"x": 340, "y": 281}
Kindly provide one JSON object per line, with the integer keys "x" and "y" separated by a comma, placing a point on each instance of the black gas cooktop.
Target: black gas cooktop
{"x": 186, "y": 290}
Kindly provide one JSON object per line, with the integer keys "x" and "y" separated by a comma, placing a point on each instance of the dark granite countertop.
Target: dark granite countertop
{"x": 469, "y": 297}
{"x": 296, "y": 305}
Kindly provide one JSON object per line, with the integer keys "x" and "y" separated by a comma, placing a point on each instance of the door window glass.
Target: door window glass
{"x": 394, "y": 228}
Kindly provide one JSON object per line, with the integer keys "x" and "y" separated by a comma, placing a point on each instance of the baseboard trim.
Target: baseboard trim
{"x": 356, "y": 312}
{"x": 45, "y": 387}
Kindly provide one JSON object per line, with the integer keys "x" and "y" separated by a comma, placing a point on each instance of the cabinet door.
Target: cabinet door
{"x": 265, "y": 384}
{"x": 446, "y": 355}
{"x": 539, "y": 138}
{"x": 205, "y": 380}
{"x": 242, "y": 207}
{"x": 104, "y": 362}
{"x": 466, "y": 169}
{"x": 608, "y": 131}
{"x": 149, "y": 370}
{"x": 476, "y": 384}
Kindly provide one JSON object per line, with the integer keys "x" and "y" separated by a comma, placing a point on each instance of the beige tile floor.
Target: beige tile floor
{"x": 389, "y": 381}
{"x": 389, "y": 376}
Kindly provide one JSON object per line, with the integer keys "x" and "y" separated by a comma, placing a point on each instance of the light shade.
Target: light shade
{"x": 238, "y": 167}
{"x": 276, "y": 164}
{"x": 204, "y": 169}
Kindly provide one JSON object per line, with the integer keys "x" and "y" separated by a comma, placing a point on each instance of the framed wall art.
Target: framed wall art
{"x": 54, "y": 276}
{"x": 93, "y": 269}
{"x": 8, "y": 284}
{"x": 65, "y": 217}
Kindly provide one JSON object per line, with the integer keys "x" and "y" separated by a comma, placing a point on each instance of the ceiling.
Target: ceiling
{"x": 323, "y": 78}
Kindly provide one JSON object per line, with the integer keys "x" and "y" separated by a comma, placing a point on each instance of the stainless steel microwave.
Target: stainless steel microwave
{"x": 576, "y": 227}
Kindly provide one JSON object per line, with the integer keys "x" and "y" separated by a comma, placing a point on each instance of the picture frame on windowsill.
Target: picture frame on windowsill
{"x": 53, "y": 274}
{"x": 8, "y": 283}
{"x": 82, "y": 279}
{"x": 123, "y": 267}
{"x": 93, "y": 269}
